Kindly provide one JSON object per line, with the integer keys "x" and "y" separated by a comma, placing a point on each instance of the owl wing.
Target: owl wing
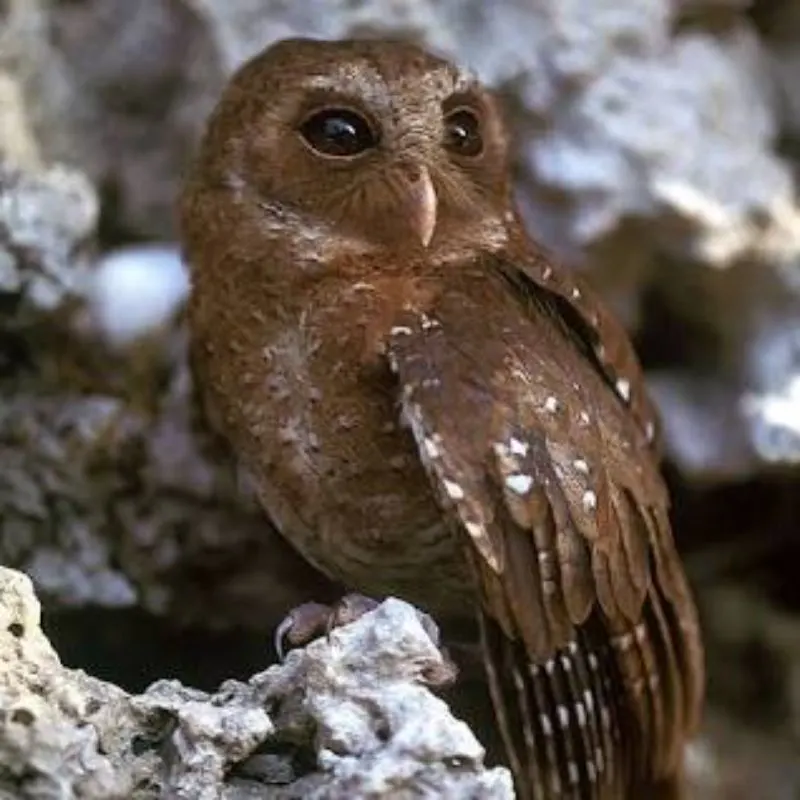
{"x": 606, "y": 341}
{"x": 589, "y": 629}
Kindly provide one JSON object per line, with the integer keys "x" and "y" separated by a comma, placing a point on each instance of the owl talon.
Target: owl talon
{"x": 300, "y": 626}
{"x": 309, "y": 621}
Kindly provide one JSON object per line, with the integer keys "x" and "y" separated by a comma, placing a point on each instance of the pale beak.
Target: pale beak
{"x": 421, "y": 207}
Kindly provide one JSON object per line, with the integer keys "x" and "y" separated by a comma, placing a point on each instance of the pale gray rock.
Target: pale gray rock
{"x": 47, "y": 221}
{"x": 733, "y": 409}
{"x": 408, "y": 747}
{"x": 52, "y": 500}
{"x": 40, "y": 101}
{"x": 135, "y": 293}
{"x": 49, "y": 741}
{"x": 704, "y": 433}
{"x": 357, "y": 704}
{"x": 110, "y": 87}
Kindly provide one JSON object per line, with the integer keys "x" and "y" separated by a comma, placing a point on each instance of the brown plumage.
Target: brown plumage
{"x": 433, "y": 409}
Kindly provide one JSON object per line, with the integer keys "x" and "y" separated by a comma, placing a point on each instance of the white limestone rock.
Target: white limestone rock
{"x": 357, "y": 704}
{"x": 47, "y": 222}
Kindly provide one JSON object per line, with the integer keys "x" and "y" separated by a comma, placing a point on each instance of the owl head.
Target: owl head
{"x": 364, "y": 143}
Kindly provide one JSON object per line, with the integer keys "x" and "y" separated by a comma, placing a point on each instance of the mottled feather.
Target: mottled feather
{"x": 550, "y": 489}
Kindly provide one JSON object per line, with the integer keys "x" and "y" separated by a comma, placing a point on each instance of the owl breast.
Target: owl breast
{"x": 343, "y": 481}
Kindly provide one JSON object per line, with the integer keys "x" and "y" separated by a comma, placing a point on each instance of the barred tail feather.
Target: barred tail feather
{"x": 564, "y": 722}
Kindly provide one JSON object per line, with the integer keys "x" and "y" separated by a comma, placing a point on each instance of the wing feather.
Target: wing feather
{"x": 590, "y": 631}
{"x": 606, "y": 338}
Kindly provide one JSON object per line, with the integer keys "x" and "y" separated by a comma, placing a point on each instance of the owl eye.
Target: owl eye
{"x": 462, "y": 133}
{"x": 338, "y": 132}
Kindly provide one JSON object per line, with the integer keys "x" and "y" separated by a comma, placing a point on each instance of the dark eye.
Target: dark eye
{"x": 462, "y": 133}
{"x": 338, "y": 132}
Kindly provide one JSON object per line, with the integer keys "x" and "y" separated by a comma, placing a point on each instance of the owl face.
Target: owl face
{"x": 376, "y": 140}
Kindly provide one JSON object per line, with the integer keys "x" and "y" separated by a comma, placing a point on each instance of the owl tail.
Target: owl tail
{"x": 563, "y": 722}
{"x": 568, "y": 727}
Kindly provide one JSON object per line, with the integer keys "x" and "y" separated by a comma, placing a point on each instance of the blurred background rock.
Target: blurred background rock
{"x": 658, "y": 149}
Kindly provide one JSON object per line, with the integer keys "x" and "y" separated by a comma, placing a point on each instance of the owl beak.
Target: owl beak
{"x": 422, "y": 206}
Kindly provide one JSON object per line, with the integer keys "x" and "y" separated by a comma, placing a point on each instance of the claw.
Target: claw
{"x": 282, "y": 630}
{"x": 300, "y": 626}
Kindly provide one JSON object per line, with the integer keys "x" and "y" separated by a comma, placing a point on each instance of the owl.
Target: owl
{"x": 431, "y": 408}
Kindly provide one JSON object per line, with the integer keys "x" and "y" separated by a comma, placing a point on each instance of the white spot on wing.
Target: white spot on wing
{"x": 519, "y": 483}
{"x": 453, "y": 489}
{"x": 429, "y": 322}
{"x": 624, "y": 641}
{"x": 624, "y": 389}
{"x": 480, "y": 538}
{"x": 551, "y": 404}
{"x": 517, "y": 447}
{"x": 431, "y": 447}
{"x": 589, "y": 501}
{"x": 401, "y": 330}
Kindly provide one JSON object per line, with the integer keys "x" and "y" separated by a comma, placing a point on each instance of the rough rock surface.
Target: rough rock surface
{"x": 355, "y": 709}
{"x": 47, "y": 221}
{"x": 46, "y": 748}
{"x": 345, "y": 718}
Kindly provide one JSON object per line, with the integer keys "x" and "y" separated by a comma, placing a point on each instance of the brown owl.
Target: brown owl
{"x": 431, "y": 408}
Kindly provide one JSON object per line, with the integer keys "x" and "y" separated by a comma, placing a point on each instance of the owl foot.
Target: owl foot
{"x": 309, "y": 621}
